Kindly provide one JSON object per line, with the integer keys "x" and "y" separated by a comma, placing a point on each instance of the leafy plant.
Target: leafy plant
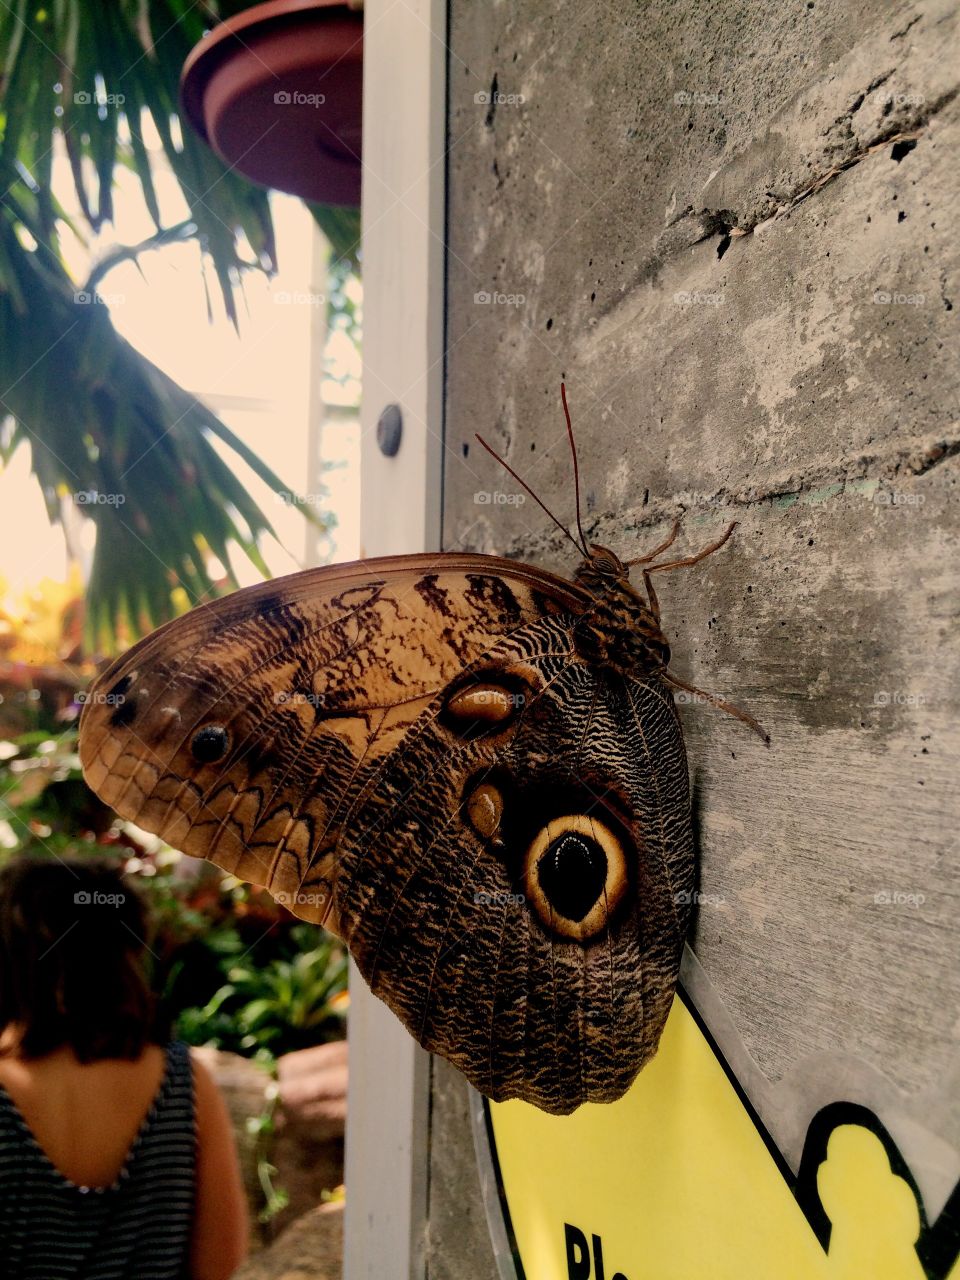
{"x": 108, "y": 431}
{"x": 293, "y": 1001}
{"x": 263, "y": 1128}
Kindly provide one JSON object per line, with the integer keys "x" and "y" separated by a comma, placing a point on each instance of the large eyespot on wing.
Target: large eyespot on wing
{"x": 576, "y": 875}
{"x": 489, "y": 699}
{"x": 240, "y": 731}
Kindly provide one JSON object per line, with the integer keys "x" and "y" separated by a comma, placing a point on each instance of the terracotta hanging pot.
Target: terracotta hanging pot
{"x": 276, "y": 91}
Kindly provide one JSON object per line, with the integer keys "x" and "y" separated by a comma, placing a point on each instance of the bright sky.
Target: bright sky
{"x": 259, "y": 383}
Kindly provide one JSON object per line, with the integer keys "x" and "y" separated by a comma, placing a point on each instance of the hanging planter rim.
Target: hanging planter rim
{"x": 282, "y": 52}
{"x": 227, "y": 37}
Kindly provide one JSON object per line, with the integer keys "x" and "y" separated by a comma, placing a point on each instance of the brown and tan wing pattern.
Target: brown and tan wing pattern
{"x": 411, "y": 752}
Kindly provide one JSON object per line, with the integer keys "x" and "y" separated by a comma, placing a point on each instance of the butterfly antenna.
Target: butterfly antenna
{"x": 523, "y": 484}
{"x": 576, "y": 468}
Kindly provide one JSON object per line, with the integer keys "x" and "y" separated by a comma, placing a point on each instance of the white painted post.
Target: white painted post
{"x": 404, "y": 123}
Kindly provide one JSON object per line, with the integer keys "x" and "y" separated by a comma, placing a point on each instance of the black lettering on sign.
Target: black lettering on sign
{"x": 580, "y": 1266}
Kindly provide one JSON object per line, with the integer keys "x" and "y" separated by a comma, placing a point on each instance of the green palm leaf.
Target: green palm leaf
{"x": 98, "y": 417}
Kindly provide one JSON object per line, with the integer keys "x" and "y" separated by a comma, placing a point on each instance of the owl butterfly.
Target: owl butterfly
{"x": 469, "y": 769}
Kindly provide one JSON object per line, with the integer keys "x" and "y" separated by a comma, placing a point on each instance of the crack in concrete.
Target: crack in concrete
{"x": 861, "y": 98}
{"x": 865, "y": 473}
{"x": 702, "y": 224}
{"x": 692, "y": 227}
{"x": 937, "y": 454}
{"x": 885, "y": 138}
{"x": 874, "y": 469}
{"x": 898, "y": 35}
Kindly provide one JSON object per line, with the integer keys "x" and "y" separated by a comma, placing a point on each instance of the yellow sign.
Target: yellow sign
{"x": 678, "y": 1181}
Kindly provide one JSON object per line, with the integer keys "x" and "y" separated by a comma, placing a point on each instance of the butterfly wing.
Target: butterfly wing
{"x": 235, "y": 731}
{"x": 412, "y": 752}
{"x": 550, "y": 987}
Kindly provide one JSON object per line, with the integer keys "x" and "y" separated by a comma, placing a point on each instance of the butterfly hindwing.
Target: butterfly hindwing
{"x": 474, "y": 964}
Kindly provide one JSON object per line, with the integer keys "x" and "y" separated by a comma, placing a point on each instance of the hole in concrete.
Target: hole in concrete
{"x": 723, "y": 246}
{"x": 466, "y": 449}
{"x": 549, "y": 324}
{"x": 902, "y": 148}
{"x": 494, "y": 94}
{"x": 901, "y": 216}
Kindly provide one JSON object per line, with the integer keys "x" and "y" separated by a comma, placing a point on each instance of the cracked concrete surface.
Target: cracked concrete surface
{"x": 732, "y": 228}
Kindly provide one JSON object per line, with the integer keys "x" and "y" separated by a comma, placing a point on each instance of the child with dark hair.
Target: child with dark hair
{"x": 117, "y": 1161}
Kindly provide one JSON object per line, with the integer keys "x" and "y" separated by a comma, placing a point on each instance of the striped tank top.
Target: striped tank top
{"x": 136, "y": 1229}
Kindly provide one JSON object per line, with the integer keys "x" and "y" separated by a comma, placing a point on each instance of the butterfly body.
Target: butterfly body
{"x": 620, "y": 630}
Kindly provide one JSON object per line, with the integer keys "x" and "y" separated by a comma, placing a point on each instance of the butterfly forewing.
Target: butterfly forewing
{"x": 413, "y": 752}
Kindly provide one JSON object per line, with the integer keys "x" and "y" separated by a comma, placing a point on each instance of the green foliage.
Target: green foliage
{"x": 98, "y": 76}
{"x": 263, "y": 1128}
{"x": 93, "y": 79}
{"x": 110, "y": 431}
{"x": 290, "y": 1002}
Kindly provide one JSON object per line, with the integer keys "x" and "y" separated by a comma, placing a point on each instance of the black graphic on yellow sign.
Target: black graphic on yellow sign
{"x": 679, "y": 1181}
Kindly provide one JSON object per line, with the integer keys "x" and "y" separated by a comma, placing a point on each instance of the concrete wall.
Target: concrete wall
{"x": 732, "y": 227}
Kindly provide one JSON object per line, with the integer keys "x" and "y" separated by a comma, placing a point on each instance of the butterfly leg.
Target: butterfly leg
{"x": 651, "y": 595}
{"x": 694, "y": 559}
{"x": 668, "y": 541}
{"x": 721, "y": 704}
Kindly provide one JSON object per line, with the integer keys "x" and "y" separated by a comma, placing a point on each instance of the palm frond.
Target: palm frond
{"x": 113, "y": 434}
{"x": 107, "y": 429}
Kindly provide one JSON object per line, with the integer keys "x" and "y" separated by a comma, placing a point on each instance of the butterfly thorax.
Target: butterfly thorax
{"x": 618, "y": 629}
